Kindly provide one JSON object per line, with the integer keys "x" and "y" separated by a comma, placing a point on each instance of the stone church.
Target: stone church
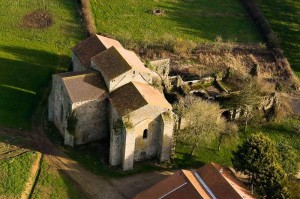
{"x": 109, "y": 95}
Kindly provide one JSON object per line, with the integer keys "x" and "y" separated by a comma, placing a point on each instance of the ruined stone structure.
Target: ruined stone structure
{"x": 109, "y": 95}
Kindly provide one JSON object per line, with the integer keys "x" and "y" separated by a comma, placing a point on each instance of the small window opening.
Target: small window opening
{"x": 145, "y": 134}
{"x": 134, "y": 72}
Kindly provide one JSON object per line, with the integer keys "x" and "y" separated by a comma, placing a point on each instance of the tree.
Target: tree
{"x": 202, "y": 121}
{"x": 248, "y": 99}
{"x": 229, "y": 133}
{"x": 71, "y": 122}
{"x": 288, "y": 158}
{"x": 258, "y": 158}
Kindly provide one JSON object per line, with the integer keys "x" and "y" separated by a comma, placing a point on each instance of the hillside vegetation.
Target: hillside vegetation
{"x": 284, "y": 17}
{"x": 200, "y": 21}
{"x": 35, "y": 41}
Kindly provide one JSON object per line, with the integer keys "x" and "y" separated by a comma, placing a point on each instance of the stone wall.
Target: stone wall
{"x": 116, "y": 141}
{"x": 161, "y": 66}
{"x": 127, "y": 140}
{"x": 92, "y": 121}
{"x": 166, "y": 135}
{"x": 77, "y": 65}
{"x": 146, "y": 147}
{"x": 129, "y": 76}
{"x": 59, "y": 105}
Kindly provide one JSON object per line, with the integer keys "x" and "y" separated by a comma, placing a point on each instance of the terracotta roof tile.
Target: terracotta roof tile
{"x": 222, "y": 183}
{"x": 92, "y": 46}
{"x": 176, "y": 186}
{"x": 127, "y": 99}
{"x": 134, "y": 95}
{"x": 152, "y": 95}
{"x": 207, "y": 182}
{"x": 84, "y": 86}
{"x": 115, "y": 61}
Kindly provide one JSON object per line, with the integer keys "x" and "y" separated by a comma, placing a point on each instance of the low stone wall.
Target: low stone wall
{"x": 262, "y": 23}
{"x": 272, "y": 40}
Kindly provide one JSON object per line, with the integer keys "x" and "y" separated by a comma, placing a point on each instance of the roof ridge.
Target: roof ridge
{"x": 117, "y": 49}
{"x": 193, "y": 184}
{"x": 76, "y": 76}
{"x": 234, "y": 178}
{"x": 149, "y": 101}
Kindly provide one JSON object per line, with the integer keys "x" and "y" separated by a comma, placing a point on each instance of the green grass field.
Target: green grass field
{"x": 197, "y": 20}
{"x": 29, "y": 56}
{"x": 54, "y": 184}
{"x": 14, "y": 171}
{"x": 284, "y": 17}
{"x": 283, "y": 131}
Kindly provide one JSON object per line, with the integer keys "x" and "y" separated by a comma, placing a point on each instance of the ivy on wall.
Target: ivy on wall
{"x": 71, "y": 123}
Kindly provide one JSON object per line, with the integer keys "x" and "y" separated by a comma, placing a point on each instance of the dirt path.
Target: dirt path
{"x": 32, "y": 177}
{"x": 93, "y": 186}
{"x": 134, "y": 184}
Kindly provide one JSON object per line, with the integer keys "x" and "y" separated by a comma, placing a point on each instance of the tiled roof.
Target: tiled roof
{"x": 210, "y": 181}
{"x": 222, "y": 182}
{"x": 84, "y": 86}
{"x": 92, "y": 46}
{"x": 115, "y": 61}
{"x": 182, "y": 184}
{"x": 134, "y": 95}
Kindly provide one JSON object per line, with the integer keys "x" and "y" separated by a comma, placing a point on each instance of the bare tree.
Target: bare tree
{"x": 230, "y": 132}
{"x": 202, "y": 121}
{"x": 247, "y": 100}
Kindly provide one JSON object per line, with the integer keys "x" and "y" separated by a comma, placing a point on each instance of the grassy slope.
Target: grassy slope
{"x": 28, "y": 57}
{"x": 284, "y": 17}
{"x": 201, "y": 20}
{"x": 53, "y": 184}
{"x": 283, "y": 131}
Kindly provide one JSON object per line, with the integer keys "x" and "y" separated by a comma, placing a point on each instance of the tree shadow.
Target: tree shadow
{"x": 285, "y": 21}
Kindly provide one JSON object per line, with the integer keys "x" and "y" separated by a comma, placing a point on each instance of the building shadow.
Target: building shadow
{"x": 23, "y": 80}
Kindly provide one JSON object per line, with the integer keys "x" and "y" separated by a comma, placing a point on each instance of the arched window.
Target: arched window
{"x": 145, "y": 134}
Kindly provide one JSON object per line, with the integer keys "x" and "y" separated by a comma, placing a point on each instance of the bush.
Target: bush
{"x": 183, "y": 47}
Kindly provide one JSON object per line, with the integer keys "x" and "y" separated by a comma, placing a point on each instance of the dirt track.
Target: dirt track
{"x": 93, "y": 186}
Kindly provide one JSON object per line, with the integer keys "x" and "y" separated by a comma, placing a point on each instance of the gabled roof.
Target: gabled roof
{"x": 210, "y": 181}
{"x": 222, "y": 182}
{"x": 83, "y": 86}
{"x": 135, "y": 95}
{"x": 92, "y": 46}
{"x": 115, "y": 61}
{"x": 182, "y": 184}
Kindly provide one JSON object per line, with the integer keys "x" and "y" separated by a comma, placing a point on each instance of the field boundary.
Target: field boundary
{"x": 29, "y": 186}
{"x": 272, "y": 40}
{"x": 88, "y": 16}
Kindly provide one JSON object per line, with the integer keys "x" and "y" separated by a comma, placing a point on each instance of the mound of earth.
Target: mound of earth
{"x": 38, "y": 19}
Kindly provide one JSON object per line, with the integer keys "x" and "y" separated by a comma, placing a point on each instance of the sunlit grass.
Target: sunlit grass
{"x": 54, "y": 184}
{"x": 200, "y": 21}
